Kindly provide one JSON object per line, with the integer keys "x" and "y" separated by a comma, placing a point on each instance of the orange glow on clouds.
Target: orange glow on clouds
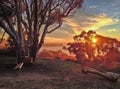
{"x": 74, "y": 26}
{"x": 100, "y": 21}
{"x": 52, "y": 41}
{"x": 90, "y": 23}
{"x": 94, "y": 23}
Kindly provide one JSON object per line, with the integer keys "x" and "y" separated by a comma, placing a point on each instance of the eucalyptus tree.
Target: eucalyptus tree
{"x": 28, "y": 21}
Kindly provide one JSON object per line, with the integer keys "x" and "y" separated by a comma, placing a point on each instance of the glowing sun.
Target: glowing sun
{"x": 94, "y": 40}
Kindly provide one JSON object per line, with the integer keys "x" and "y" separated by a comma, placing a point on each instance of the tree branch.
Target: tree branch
{"x": 8, "y": 21}
{"x": 11, "y": 34}
{"x": 18, "y": 14}
{"x": 28, "y": 17}
{"x": 24, "y": 23}
{"x": 54, "y": 28}
{"x": 42, "y": 37}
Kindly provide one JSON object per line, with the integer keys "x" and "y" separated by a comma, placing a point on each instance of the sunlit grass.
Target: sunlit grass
{"x": 56, "y": 64}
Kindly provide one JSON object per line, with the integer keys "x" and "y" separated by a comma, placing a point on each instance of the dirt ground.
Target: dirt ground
{"x": 49, "y": 74}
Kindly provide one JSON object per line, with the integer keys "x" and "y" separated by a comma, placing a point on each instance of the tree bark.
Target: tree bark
{"x": 20, "y": 48}
{"x": 35, "y": 33}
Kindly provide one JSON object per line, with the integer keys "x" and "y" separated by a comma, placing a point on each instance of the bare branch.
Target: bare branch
{"x": 25, "y": 26}
{"x": 18, "y": 14}
{"x": 11, "y": 34}
{"x": 42, "y": 37}
{"x": 7, "y": 20}
{"x": 28, "y": 17}
{"x": 24, "y": 23}
{"x": 54, "y": 28}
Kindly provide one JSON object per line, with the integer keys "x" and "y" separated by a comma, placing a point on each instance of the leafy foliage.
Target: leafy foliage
{"x": 92, "y": 49}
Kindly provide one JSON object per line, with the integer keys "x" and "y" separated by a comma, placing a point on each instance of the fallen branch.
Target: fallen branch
{"x": 27, "y": 60}
{"x": 104, "y": 74}
{"x": 18, "y": 66}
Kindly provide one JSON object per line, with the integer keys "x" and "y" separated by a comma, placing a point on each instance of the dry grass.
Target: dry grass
{"x": 52, "y": 74}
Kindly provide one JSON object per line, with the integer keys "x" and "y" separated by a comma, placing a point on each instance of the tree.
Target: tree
{"x": 95, "y": 50}
{"x": 28, "y": 21}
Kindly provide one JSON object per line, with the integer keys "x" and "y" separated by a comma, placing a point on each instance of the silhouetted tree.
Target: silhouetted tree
{"x": 95, "y": 50}
{"x": 28, "y": 21}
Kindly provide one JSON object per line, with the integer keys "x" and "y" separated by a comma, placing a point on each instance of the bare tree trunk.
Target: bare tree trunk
{"x": 20, "y": 48}
{"x": 29, "y": 34}
{"x": 33, "y": 17}
{"x": 35, "y": 33}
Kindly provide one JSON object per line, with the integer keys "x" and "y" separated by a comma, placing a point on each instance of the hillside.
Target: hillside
{"x": 50, "y": 54}
{"x": 52, "y": 74}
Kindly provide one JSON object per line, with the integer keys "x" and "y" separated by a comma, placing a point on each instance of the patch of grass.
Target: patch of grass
{"x": 69, "y": 65}
{"x": 55, "y": 65}
{"x": 8, "y": 60}
{"x": 52, "y": 74}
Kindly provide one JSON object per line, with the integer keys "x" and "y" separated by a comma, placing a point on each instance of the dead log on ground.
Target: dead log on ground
{"x": 26, "y": 60}
{"x": 104, "y": 74}
{"x": 18, "y": 66}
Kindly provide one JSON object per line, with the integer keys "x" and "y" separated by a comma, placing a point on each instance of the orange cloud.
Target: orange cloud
{"x": 77, "y": 24}
{"x": 73, "y": 25}
{"x": 55, "y": 41}
{"x": 90, "y": 22}
{"x": 100, "y": 21}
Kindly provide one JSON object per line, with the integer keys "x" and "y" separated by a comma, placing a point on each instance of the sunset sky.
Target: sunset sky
{"x": 103, "y": 16}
